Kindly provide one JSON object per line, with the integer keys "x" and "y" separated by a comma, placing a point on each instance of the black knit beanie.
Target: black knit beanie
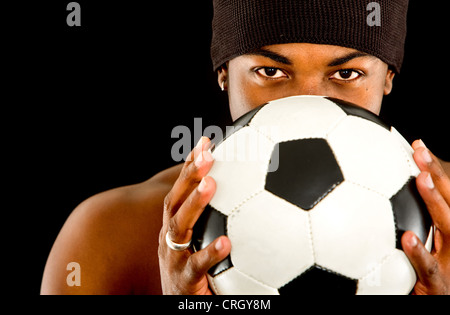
{"x": 240, "y": 26}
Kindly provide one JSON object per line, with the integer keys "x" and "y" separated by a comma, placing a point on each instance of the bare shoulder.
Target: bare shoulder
{"x": 113, "y": 239}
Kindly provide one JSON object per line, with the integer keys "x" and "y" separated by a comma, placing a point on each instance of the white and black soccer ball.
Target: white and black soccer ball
{"x": 314, "y": 194}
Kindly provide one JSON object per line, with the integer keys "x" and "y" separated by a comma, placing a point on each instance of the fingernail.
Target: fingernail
{"x": 219, "y": 245}
{"x": 426, "y": 156}
{"x": 422, "y": 144}
{"x": 413, "y": 241}
{"x": 202, "y": 186}
{"x": 429, "y": 182}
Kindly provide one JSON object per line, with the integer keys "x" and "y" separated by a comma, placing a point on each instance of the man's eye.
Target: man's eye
{"x": 272, "y": 73}
{"x": 346, "y": 75}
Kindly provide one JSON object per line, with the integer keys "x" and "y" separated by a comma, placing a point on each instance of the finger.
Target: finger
{"x": 428, "y": 162}
{"x": 191, "y": 174}
{"x": 182, "y": 224}
{"x": 436, "y": 204}
{"x": 200, "y": 262}
{"x": 202, "y": 145}
{"x": 425, "y": 265}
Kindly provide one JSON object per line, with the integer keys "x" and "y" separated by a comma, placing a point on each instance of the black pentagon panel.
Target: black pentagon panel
{"x": 238, "y": 124}
{"x": 307, "y": 172}
{"x": 210, "y": 226}
{"x": 410, "y": 213}
{"x": 321, "y": 282}
{"x": 355, "y": 110}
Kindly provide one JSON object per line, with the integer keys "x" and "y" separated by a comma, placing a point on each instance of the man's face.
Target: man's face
{"x": 278, "y": 71}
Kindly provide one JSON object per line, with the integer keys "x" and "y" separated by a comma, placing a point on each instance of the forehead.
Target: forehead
{"x": 312, "y": 53}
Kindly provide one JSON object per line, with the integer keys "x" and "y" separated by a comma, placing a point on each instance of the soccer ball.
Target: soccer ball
{"x": 314, "y": 194}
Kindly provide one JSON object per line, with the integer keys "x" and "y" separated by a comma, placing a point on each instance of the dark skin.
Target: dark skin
{"x": 118, "y": 237}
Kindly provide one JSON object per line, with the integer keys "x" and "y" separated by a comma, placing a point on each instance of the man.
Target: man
{"x": 134, "y": 239}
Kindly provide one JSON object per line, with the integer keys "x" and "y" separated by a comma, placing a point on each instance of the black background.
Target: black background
{"x": 91, "y": 108}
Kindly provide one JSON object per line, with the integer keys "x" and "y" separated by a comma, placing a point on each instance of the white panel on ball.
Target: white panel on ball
{"x": 409, "y": 151}
{"x": 393, "y": 276}
{"x": 369, "y": 155}
{"x": 240, "y": 168}
{"x": 271, "y": 240}
{"x": 354, "y": 224}
{"x": 310, "y": 118}
{"x": 232, "y": 281}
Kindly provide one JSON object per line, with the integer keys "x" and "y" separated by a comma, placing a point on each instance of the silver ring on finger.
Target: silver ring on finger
{"x": 175, "y": 246}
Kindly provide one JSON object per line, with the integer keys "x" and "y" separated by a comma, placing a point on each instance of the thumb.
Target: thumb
{"x": 425, "y": 264}
{"x": 203, "y": 260}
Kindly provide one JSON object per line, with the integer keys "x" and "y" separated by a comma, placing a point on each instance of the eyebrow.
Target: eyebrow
{"x": 344, "y": 59}
{"x": 284, "y": 60}
{"x": 272, "y": 55}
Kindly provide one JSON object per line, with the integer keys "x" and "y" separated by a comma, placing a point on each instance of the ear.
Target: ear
{"x": 389, "y": 82}
{"x": 222, "y": 77}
